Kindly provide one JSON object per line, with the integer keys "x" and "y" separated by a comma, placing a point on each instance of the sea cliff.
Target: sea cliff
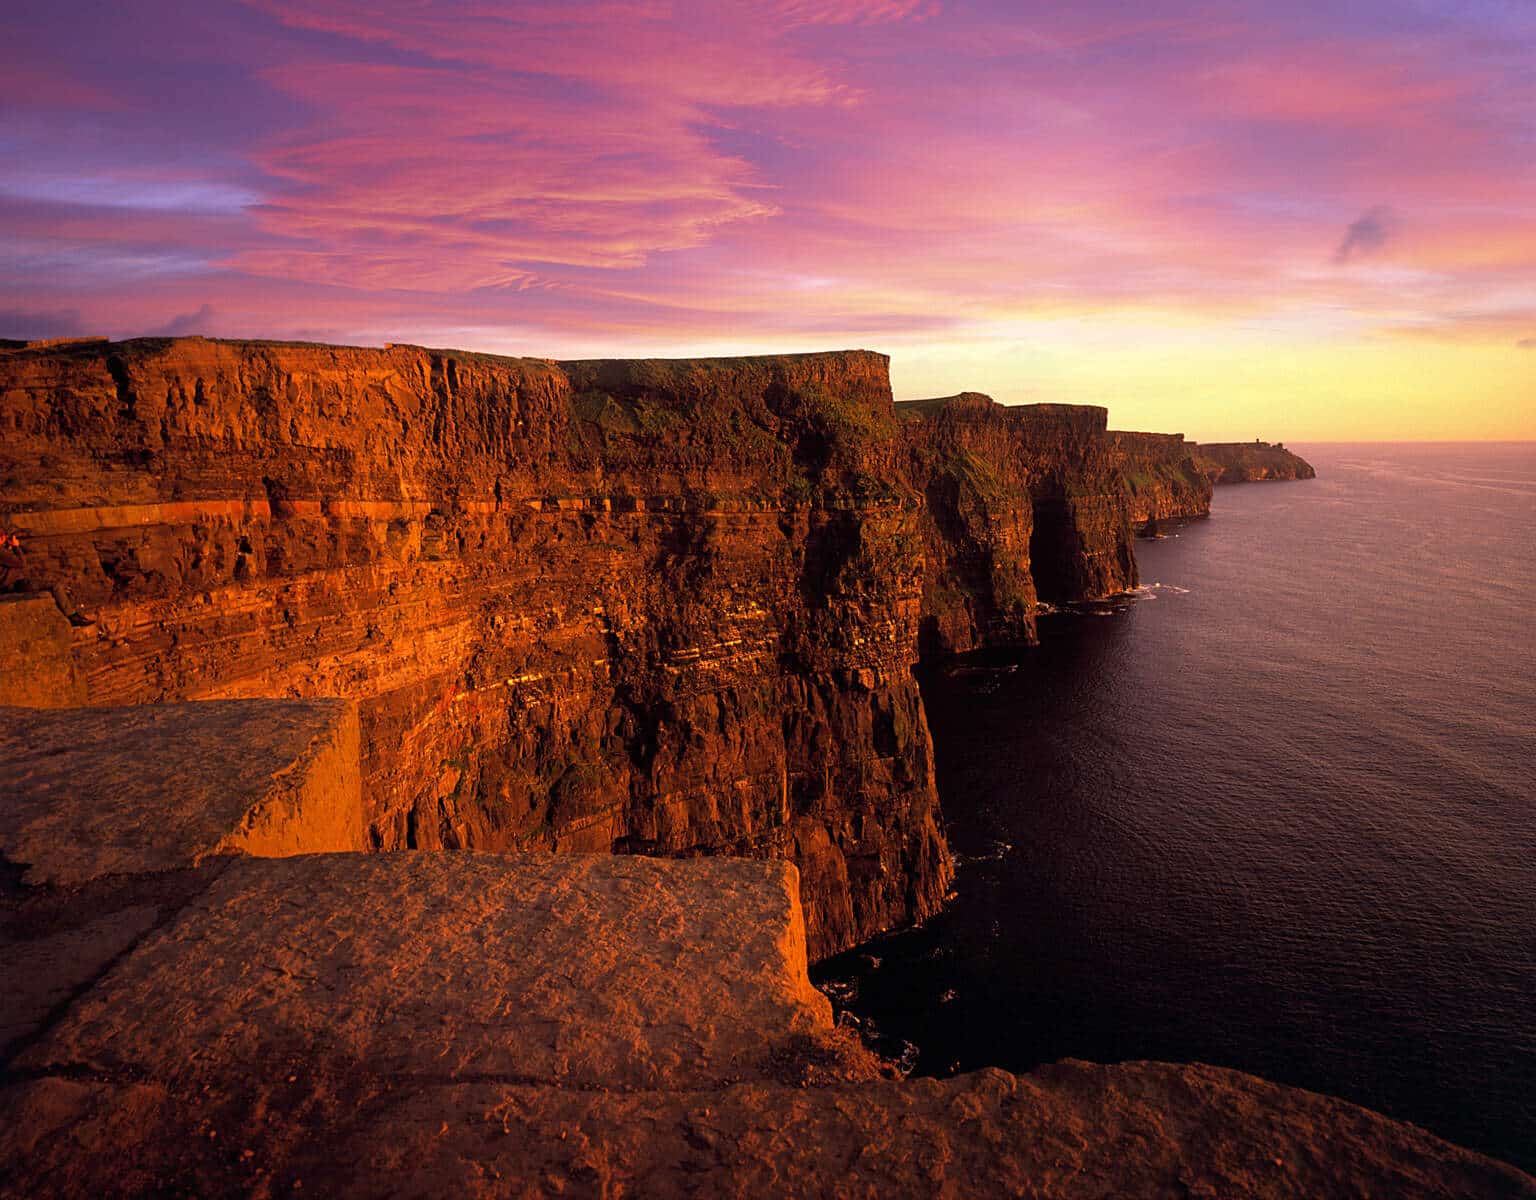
{"x": 273, "y": 609}
{"x": 668, "y": 607}
{"x": 1021, "y": 505}
{"x": 1249, "y": 462}
{"x": 187, "y": 1017}
{"x": 1164, "y": 478}
{"x": 661, "y": 607}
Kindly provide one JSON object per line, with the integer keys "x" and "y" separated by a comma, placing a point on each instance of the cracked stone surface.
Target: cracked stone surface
{"x": 500, "y": 1025}
{"x": 580, "y": 970}
{"x": 90, "y": 792}
{"x": 1071, "y": 1131}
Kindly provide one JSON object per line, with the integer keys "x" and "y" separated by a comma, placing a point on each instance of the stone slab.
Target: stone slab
{"x": 90, "y": 792}
{"x": 37, "y": 666}
{"x": 1071, "y": 1131}
{"x": 55, "y": 943}
{"x": 575, "y": 970}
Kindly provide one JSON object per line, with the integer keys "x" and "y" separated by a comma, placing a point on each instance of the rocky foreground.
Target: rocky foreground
{"x": 186, "y": 1019}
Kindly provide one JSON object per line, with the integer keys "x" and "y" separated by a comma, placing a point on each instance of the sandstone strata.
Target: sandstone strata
{"x": 659, "y": 607}
{"x": 663, "y": 607}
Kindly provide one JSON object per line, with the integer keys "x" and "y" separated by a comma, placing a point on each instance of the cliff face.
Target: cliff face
{"x": 1247, "y": 462}
{"x": 977, "y": 523}
{"x": 1022, "y": 504}
{"x": 651, "y": 606}
{"x": 667, "y": 607}
{"x": 1163, "y": 478}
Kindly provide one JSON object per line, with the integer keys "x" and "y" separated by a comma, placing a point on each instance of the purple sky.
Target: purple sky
{"x": 1234, "y": 217}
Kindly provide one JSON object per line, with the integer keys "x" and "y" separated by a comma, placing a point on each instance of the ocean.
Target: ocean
{"x": 1276, "y": 812}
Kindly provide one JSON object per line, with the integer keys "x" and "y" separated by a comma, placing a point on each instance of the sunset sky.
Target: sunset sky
{"x": 1303, "y": 220}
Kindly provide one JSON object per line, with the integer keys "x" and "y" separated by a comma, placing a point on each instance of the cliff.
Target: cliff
{"x": 662, "y": 607}
{"x": 1164, "y": 479}
{"x": 275, "y": 605}
{"x": 489, "y": 1025}
{"x": 1248, "y": 462}
{"x": 1168, "y": 478}
{"x": 1021, "y": 504}
{"x": 668, "y": 607}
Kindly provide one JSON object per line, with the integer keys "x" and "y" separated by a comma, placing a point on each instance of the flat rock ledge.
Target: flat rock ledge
{"x": 91, "y": 792}
{"x": 427, "y": 1024}
{"x": 197, "y": 1005}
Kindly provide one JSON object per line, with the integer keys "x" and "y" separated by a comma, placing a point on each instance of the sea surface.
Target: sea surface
{"x": 1278, "y": 813}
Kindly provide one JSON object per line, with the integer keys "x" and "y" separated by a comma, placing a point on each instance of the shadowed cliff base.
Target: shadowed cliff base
{"x": 666, "y": 607}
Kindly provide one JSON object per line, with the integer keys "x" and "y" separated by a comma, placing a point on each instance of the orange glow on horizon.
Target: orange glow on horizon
{"x": 1230, "y": 218}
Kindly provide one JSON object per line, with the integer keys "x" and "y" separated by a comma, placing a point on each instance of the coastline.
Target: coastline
{"x": 802, "y": 543}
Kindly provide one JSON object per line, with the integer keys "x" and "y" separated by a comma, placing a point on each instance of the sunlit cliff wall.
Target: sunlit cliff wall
{"x": 664, "y": 607}
{"x": 1248, "y": 462}
{"x": 1022, "y": 505}
{"x": 1163, "y": 477}
{"x": 634, "y": 606}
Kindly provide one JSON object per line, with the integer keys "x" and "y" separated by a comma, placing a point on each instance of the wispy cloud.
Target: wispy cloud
{"x": 186, "y": 323}
{"x": 672, "y": 173}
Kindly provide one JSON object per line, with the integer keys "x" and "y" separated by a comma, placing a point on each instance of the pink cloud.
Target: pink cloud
{"x": 852, "y": 12}
{"x": 666, "y": 171}
{"x": 436, "y": 179}
{"x": 479, "y": 173}
{"x": 697, "y": 53}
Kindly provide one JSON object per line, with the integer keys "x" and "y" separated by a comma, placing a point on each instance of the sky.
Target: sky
{"x": 1289, "y": 219}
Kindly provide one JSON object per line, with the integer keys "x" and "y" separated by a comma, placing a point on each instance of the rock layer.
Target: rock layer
{"x": 565, "y": 970}
{"x": 91, "y": 792}
{"x": 668, "y": 607}
{"x": 665, "y": 607}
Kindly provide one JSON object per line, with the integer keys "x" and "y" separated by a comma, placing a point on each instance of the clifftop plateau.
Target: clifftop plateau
{"x": 489, "y": 1025}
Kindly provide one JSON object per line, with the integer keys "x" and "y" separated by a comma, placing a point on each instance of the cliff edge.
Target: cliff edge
{"x": 587, "y": 1025}
{"x": 384, "y": 1024}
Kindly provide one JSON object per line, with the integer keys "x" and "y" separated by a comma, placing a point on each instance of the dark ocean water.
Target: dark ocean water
{"x": 1278, "y": 815}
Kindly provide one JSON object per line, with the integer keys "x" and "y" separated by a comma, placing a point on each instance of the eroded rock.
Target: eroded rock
{"x": 91, "y": 792}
